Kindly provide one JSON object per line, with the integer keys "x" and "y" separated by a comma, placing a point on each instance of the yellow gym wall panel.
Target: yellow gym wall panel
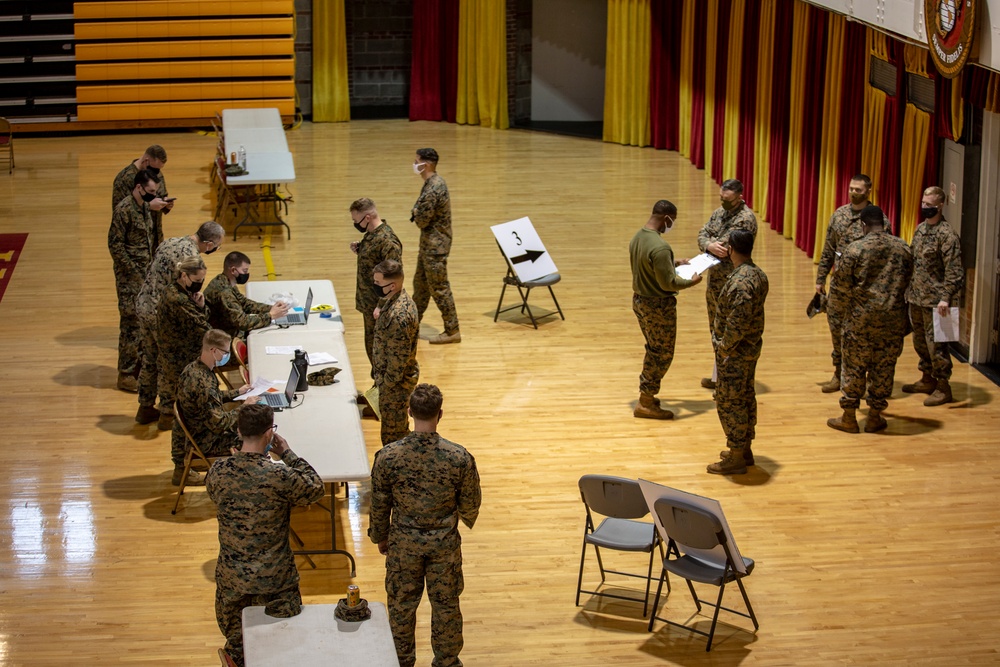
{"x": 282, "y": 25}
{"x": 173, "y": 8}
{"x": 196, "y": 69}
{"x": 150, "y": 111}
{"x": 209, "y": 48}
{"x": 173, "y": 92}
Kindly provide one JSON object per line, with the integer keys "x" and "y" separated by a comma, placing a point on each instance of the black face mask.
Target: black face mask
{"x": 209, "y": 252}
{"x": 928, "y": 212}
{"x": 155, "y": 170}
{"x": 146, "y": 197}
{"x": 357, "y": 226}
{"x": 243, "y": 278}
{"x": 380, "y": 290}
{"x": 195, "y": 286}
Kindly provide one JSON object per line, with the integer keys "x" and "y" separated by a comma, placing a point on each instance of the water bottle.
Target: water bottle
{"x": 243, "y": 157}
{"x": 301, "y": 363}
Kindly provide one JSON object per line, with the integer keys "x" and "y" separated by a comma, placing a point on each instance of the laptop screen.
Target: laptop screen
{"x": 293, "y": 382}
{"x": 309, "y": 304}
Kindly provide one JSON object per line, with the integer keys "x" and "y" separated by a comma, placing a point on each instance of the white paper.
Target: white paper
{"x": 261, "y": 385}
{"x": 282, "y": 349}
{"x": 318, "y": 358}
{"x": 946, "y": 328}
{"x": 696, "y": 265}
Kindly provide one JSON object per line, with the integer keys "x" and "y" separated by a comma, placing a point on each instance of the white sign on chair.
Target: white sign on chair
{"x": 522, "y": 247}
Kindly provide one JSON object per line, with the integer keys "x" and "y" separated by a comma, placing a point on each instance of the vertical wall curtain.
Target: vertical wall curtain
{"x": 760, "y": 158}
{"x": 780, "y": 125}
{"x": 797, "y": 93}
{"x": 916, "y": 132}
{"x": 698, "y": 69}
{"x": 852, "y": 110}
{"x": 686, "y": 82}
{"x": 723, "y": 46}
{"x": 734, "y": 102}
{"x": 330, "y": 95}
{"x": 827, "y": 197}
{"x": 812, "y": 132}
{"x": 482, "y": 64}
{"x": 745, "y": 138}
{"x": 434, "y": 60}
{"x": 664, "y": 73}
{"x": 873, "y": 139}
{"x": 710, "y": 47}
{"x": 892, "y": 146}
{"x": 626, "y": 83}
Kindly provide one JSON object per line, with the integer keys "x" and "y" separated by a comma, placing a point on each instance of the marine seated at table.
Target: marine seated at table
{"x": 229, "y": 310}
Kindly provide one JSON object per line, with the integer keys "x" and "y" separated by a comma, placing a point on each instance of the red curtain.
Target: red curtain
{"x": 892, "y": 131}
{"x": 812, "y": 132}
{"x": 781, "y": 82}
{"x": 664, "y": 70}
{"x": 748, "y": 98}
{"x": 434, "y": 60}
{"x": 852, "y": 107}
{"x": 698, "y": 87}
{"x": 721, "y": 78}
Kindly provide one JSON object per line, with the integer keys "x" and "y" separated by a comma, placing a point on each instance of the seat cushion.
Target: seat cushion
{"x": 544, "y": 281}
{"x": 623, "y": 535}
{"x": 696, "y": 569}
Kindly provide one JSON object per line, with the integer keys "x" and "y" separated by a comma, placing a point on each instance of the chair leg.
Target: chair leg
{"x": 556, "y": 302}
{"x": 524, "y": 305}
{"x": 649, "y": 581}
{"x": 187, "y": 468}
{"x": 715, "y": 617}
{"x": 694, "y": 596}
{"x": 656, "y": 601}
{"x": 579, "y": 580}
{"x": 746, "y": 599}
{"x": 500, "y": 302}
{"x": 600, "y": 564}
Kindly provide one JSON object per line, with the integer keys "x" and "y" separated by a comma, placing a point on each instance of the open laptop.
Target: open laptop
{"x": 297, "y": 318}
{"x": 284, "y": 399}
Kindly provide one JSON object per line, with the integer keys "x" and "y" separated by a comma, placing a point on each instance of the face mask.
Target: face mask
{"x": 155, "y": 170}
{"x": 730, "y": 205}
{"x": 380, "y": 290}
{"x": 357, "y": 226}
{"x": 857, "y": 199}
{"x": 666, "y": 229}
{"x": 223, "y": 361}
{"x": 195, "y": 286}
{"x": 146, "y": 197}
{"x": 243, "y": 278}
{"x": 417, "y": 167}
{"x": 209, "y": 252}
{"x": 928, "y": 211}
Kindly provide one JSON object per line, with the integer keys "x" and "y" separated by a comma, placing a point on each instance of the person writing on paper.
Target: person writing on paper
{"x": 654, "y": 301}
{"x": 228, "y": 309}
{"x": 714, "y": 238}
{"x": 394, "y": 350}
{"x": 873, "y": 273}
{"x": 937, "y": 283}
{"x": 202, "y": 407}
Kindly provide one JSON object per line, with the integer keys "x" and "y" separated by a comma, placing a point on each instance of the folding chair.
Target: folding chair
{"x": 692, "y": 531}
{"x": 193, "y": 451}
{"x": 620, "y": 501}
{"x": 7, "y": 142}
{"x": 242, "y": 357}
{"x": 524, "y": 288}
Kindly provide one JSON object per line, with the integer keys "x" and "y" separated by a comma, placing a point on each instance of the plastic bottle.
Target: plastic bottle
{"x": 301, "y": 362}
{"x": 243, "y": 157}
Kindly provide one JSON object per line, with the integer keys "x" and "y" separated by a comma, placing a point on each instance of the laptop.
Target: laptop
{"x": 284, "y": 399}
{"x": 297, "y": 318}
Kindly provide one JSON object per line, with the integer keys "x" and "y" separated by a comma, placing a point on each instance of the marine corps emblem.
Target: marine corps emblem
{"x": 951, "y": 32}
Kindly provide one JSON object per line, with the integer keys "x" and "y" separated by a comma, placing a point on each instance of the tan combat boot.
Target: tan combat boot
{"x": 833, "y": 384}
{"x": 941, "y": 395}
{"x": 649, "y": 408}
{"x": 446, "y": 338}
{"x": 847, "y": 422}
{"x": 731, "y": 463}
{"x": 875, "y": 422}
{"x": 708, "y": 383}
{"x": 925, "y": 385}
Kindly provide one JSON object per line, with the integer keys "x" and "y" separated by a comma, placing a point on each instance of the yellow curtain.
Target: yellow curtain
{"x": 482, "y": 64}
{"x": 799, "y": 55}
{"x": 331, "y": 98}
{"x": 762, "y": 131}
{"x": 916, "y": 133}
{"x": 957, "y": 111}
{"x": 711, "y": 45}
{"x": 731, "y": 138}
{"x": 828, "y": 196}
{"x": 686, "y": 76}
{"x": 872, "y": 137}
{"x": 626, "y": 82}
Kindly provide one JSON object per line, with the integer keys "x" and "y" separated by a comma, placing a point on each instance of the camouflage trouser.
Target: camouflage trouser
{"x": 836, "y": 302}
{"x": 736, "y": 400}
{"x": 229, "y": 613}
{"x": 369, "y": 335}
{"x": 431, "y": 279}
{"x": 168, "y": 373}
{"x": 218, "y": 445}
{"x": 934, "y": 357}
{"x": 128, "y": 323}
{"x": 409, "y": 564}
{"x": 658, "y": 321}
{"x": 717, "y": 277}
{"x": 393, "y": 401}
{"x": 868, "y": 361}
{"x": 148, "y": 374}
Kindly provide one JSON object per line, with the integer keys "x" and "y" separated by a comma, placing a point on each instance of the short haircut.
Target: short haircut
{"x": 212, "y": 231}
{"x": 425, "y": 401}
{"x": 864, "y": 178}
{"x": 145, "y": 176}
{"x": 741, "y": 241}
{"x": 216, "y": 338}
{"x": 664, "y": 207}
{"x": 157, "y": 153}
{"x": 363, "y": 205}
{"x": 935, "y": 191}
{"x": 872, "y": 216}
{"x": 732, "y": 185}
{"x": 427, "y": 155}
{"x": 190, "y": 265}
{"x": 235, "y": 258}
{"x": 390, "y": 269}
{"x": 255, "y": 419}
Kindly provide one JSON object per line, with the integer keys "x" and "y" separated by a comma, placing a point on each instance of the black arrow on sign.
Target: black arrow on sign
{"x": 528, "y": 256}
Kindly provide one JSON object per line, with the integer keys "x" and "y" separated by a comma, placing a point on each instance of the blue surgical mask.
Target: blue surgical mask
{"x": 223, "y": 361}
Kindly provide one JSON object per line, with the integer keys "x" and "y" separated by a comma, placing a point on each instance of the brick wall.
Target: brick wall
{"x": 303, "y": 55}
{"x": 379, "y": 35}
{"x": 519, "y": 61}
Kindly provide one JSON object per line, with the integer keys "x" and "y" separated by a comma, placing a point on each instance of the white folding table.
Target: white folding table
{"x": 250, "y": 118}
{"x": 256, "y": 140}
{"x": 323, "y": 294}
{"x": 266, "y": 170}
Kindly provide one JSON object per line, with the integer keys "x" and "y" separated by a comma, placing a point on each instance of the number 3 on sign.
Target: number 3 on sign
{"x": 514, "y": 234}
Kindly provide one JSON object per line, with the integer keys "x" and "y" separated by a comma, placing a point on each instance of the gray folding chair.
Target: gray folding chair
{"x": 693, "y": 528}
{"x": 620, "y": 501}
{"x": 524, "y": 288}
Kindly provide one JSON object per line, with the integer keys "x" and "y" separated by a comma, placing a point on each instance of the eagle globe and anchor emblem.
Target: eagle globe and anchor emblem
{"x": 951, "y": 31}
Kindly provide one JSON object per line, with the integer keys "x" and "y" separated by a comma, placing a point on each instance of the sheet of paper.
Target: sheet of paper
{"x": 696, "y": 265}
{"x": 946, "y": 328}
{"x": 260, "y": 385}
{"x": 318, "y": 358}
{"x": 282, "y": 349}
{"x": 372, "y": 397}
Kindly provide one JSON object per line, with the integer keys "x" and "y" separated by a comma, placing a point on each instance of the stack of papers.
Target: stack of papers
{"x": 697, "y": 265}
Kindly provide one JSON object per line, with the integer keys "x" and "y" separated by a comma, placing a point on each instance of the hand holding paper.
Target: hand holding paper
{"x": 696, "y": 265}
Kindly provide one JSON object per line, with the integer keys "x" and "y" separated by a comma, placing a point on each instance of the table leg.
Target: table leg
{"x": 333, "y": 535}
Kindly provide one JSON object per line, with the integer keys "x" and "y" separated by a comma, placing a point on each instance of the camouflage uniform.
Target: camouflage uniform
{"x": 718, "y": 228}
{"x": 421, "y": 486}
{"x": 394, "y": 362}
{"x": 937, "y": 276}
{"x": 132, "y": 240}
{"x": 200, "y": 402}
{"x": 845, "y": 228}
{"x": 432, "y": 214}
{"x": 654, "y": 286}
{"x": 256, "y": 566}
{"x": 738, "y": 328}
{"x": 377, "y": 245}
{"x": 162, "y": 272}
{"x": 125, "y": 183}
{"x": 232, "y": 312}
{"x": 873, "y": 273}
{"x": 180, "y": 325}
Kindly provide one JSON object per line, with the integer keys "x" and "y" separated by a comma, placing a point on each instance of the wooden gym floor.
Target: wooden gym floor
{"x": 870, "y": 549}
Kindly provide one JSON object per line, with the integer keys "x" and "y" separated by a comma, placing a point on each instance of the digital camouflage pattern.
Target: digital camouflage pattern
{"x": 375, "y": 246}
{"x": 394, "y": 362}
{"x": 232, "y": 312}
{"x": 432, "y": 215}
{"x": 718, "y": 228}
{"x": 937, "y": 276}
{"x": 181, "y": 324}
{"x": 738, "y": 337}
{"x": 422, "y": 486}
{"x": 431, "y": 280}
{"x": 125, "y": 183}
{"x": 874, "y": 273}
{"x": 201, "y": 404}
{"x": 256, "y": 566}
{"x": 132, "y": 240}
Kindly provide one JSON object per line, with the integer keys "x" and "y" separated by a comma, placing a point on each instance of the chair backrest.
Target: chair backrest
{"x": 689, "y": 525}
{"x": 240, "y": 350}
{"x": 187, "y": 433}
{"x": 6, "y": 132}
{"x": 615, "y": 497}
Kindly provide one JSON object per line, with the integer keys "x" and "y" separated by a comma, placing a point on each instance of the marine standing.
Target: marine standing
{"x": 394, "y": 349}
